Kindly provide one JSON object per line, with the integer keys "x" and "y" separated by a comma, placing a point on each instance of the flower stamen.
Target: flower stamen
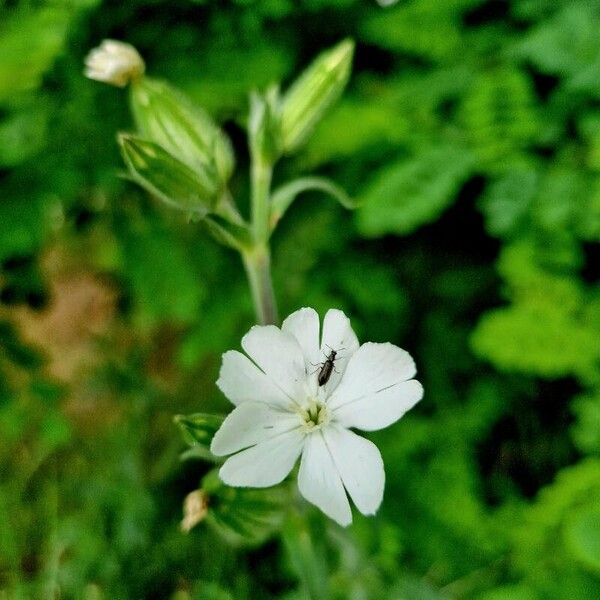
{"x": 315, "y": 415}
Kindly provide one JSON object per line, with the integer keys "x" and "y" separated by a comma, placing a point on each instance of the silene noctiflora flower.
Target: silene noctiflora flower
{"x": 283, "y": 413}
{"x": 114, "y": 62}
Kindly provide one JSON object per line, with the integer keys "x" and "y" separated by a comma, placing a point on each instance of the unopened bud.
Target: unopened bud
{"x": 195, "y": 509}
{"x": 305, "y": 103}
{"x": 114, "y": 62}
{"x": 168, "y": 117}
{"x": 167, "y": 178}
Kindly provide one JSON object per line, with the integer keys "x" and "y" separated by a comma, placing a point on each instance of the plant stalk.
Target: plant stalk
{"x": 257, "y": 262}
{"x": 261, "y": 174}
{"x": 257, "y": 259}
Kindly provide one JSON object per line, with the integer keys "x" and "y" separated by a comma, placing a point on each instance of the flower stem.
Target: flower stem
{"x": 261, "y": 175}
{"x": 257, "y": 258}
{"x": 257, "y": 262}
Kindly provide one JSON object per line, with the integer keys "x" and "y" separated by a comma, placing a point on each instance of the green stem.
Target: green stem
{"x": 261, "y": 175}
{"x": 257, "y": 262}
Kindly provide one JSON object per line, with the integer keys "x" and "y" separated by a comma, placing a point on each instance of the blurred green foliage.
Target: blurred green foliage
{"x": 471, "y": 131}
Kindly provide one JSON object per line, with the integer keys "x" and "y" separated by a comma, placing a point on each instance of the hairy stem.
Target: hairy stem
{"x": 261, "y": 187}
{"x": 257, "y": 262}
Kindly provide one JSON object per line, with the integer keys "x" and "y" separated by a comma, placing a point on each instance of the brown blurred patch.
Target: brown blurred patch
{"x": 80, "y": 315}
{"x": 82, "y": 308}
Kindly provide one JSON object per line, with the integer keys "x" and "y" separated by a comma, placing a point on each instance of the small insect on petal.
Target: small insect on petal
{"x": 327, "y": 368}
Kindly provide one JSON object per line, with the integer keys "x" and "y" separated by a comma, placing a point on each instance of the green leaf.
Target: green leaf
{"x": 313, "y": 93}
{"x": 586, "y": 430}
{"x": 264, "y": 126}
{"x": 198, "y": 430}
{"x": 30, "y": 41}
{"x": 306, "y": 555}
{"x": 411, "y": 192}
{"x": 166, "y": 116}
{"x": 244, "y": 516}
{"x": 167, "y": 178}
{"x": 507, "y": 202}
{"x": 566, "y": 43}
{"x": 582, "y": 537}
{"x": 229, "y": 234}
{"x": 22, "y": 135}
{"x": 429, "y": 29}
{"x": 500, "y": 118}
{"x": 283, "y": 197}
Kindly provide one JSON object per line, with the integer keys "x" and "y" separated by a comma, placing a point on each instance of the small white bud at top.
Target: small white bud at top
{"x": 114, "y": 62}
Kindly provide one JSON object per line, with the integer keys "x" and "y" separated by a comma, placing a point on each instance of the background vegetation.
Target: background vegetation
{"x": 471, "y": 130}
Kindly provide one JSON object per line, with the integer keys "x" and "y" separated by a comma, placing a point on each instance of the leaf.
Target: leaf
{"x": 500, "y": 119}
{"x": 424, "y": 28}
{"x": 244, "y": 516}
{"x": 582, "y": 537}
{"x": 22, "y": 135}
{"x": 566, "y": 43}
{"x": 283, "y": 197}
{"x": 545, "y": 342}
{"x": 507, "y": 202}
{"x": 586, "y": 429}
{"x": 226, "y": 233}
{"x": 306, "y": 555}
{"x": 198, "y": 431}
{"x": 409, "y": 193}
{"x": 30, "y": 41}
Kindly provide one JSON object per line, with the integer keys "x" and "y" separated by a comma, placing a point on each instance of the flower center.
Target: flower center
{"x": 315, "y": 415}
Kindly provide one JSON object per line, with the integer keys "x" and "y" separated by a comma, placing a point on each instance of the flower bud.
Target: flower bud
{"x": 195, "y": 509}
{"x": 161, "y": 174}
{"x": 169, "y": 118}
{"x": 313, "y": 93}
{"x": 114, "y": 62}
{"x": 264, "y": 125}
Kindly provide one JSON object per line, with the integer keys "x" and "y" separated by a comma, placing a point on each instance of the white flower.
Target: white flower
{"x": 114, "y": 62}
{"x": 282, "y": 412}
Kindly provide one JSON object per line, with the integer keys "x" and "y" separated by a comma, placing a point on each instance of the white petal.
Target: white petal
{"x": 380, "y": 409}
{"x": 242, "y": 381}
{"x": 279, "y": 355}
{"x": 251, "y": 423}
{"x": 265, "y": 464}
{"x": 304, "y": 326}
{"x": 373, "y": 367}
{"x": 320, "y": 483}
{"x": 339, "y": 336}
{"x": 360, "y": 466}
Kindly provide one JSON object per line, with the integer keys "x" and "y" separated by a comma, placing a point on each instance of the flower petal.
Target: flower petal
{"x": 304, "y": 326}
{"x": 279, "y": 355}
{"x": 380, "y": 409}
{"x": 339, "y": 336}
{"x": 251, "y": 423}
{"x": 372, "y": 368}
{"x": 319, "y": 481}
{"x": 360, "y": 466}
{"x": 265, "y": 464}
{"x": 242, "y": 381}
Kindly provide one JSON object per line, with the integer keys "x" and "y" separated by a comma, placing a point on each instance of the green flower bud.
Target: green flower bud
{"x": 175, "y": 183}
{"x": 311, "y": 95}
{"x": 169, "y": 118}
{"x": 264, "y": 125}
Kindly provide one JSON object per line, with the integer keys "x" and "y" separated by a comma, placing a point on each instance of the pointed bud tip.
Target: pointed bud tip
{"x": 342, "y": 52}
